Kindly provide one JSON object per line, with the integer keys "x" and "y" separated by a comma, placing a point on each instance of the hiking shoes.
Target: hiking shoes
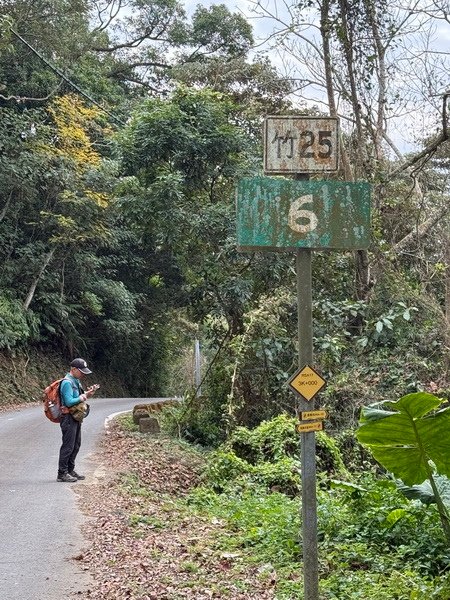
{"x": 75, "y": 474}
{"x": 66, "y": 478}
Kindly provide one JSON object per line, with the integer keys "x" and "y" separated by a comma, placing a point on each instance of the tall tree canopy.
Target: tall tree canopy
{"x": 124, "y": 128}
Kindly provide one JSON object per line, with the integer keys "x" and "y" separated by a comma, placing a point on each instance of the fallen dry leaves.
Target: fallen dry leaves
{"x": 142, "y": 544}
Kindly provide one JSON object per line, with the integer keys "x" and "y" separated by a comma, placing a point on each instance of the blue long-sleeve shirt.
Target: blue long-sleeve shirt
{"x": 70, "y": 391}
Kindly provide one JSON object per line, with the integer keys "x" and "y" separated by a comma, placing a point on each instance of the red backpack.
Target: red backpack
{"x": 52, "y": 401}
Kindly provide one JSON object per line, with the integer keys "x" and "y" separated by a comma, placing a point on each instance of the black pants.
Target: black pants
{"x": 71, "y": 442}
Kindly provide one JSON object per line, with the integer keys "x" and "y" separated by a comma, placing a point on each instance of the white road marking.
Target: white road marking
{"x": 113, "y": 416}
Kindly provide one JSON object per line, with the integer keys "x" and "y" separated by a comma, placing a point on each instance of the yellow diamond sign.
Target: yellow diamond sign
{"x": 307, "y": 382}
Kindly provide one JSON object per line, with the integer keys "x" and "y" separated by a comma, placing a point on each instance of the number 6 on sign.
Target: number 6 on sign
{"x": 296, "y": 212}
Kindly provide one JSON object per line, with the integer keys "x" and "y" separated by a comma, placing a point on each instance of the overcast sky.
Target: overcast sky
{"x": 420, "y": 114}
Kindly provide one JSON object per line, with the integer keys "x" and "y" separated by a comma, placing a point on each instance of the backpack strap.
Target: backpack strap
{"x": 74, "y": 387}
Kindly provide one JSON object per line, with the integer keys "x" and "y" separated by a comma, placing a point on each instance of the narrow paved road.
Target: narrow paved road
{"x": 39, "y": 519}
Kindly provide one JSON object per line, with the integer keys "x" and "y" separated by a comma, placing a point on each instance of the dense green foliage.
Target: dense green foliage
{"x": 269, "y": 456}
{"x": 122, "y": 137}
{"x": 364, "y": 547}
{"x": 117, "y": 239}
{"x": 373, "y": 543}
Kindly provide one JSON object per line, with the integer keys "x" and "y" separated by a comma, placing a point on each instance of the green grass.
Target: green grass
{"x": 360, "y": 555}
{"x": 364, "y": 552}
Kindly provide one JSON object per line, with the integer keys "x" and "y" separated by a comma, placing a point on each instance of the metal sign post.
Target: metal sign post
{"x": 276, "y": 214}
{"x": 197, "y": 368}
{"x": 308, "y": 439}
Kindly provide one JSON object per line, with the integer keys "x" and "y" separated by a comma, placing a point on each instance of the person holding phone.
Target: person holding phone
{"x": 74, "y": 408}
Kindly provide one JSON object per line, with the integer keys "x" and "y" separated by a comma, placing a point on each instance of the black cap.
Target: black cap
{"x": 81, "y": 365}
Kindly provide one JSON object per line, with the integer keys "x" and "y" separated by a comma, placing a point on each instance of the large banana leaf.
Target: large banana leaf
{"x": 407, "y": 436}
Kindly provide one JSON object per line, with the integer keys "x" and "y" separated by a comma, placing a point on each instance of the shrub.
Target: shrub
{"x": 223, "y": 466}
{"x": 16, "y": 325}
{"x": 270, "y": 441}
{"x": 269, "y": 456}
{"x": 277, "y": 439}
{"x": 354, "y": 455}
{"x": 192, "y": 420}
{"x": 329, "y": 458}
{"x": 281, "y": 476}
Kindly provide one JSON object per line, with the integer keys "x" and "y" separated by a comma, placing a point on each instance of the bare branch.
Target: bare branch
{"x": 5, "y": 208}
{"x": 134, "y": 43}
{"x": 420, "y": 231}
{"x": 114, "y": 7}
{"x": 443, "y": 136}
{"x": 45, "y": 262}
{"x": 391, "y": 144}
{"x": 22, "y": 99}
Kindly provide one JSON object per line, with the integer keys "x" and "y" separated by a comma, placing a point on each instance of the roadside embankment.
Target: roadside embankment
{"x": 24, "y": 375}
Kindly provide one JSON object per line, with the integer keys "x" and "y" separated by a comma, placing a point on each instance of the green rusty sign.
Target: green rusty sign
{"x": 274, "y": 213}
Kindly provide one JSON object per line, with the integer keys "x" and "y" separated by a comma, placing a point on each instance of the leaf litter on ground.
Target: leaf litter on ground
{"x": 142, "y": 542}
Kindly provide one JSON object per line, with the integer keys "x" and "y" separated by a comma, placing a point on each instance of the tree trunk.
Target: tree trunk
{"x": 348, "y": 45}
{"x": 381, "y": 78}
{"x": 362, "y": 271}
{"x": 47, "y": 258}
{"x": 328, "y": 66}
{"x": 5, "y": 208}
{"x": 362, "y": 266}
{"x": 420, "y": 231}
{"x": 447, "y": 307}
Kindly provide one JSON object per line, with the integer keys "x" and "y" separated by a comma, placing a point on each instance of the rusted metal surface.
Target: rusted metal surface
{"x": 277, "y": 213}
{"x": 294, "y": 144}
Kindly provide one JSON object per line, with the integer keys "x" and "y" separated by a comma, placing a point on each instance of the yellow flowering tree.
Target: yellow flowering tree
{"x": 72, "y": 193}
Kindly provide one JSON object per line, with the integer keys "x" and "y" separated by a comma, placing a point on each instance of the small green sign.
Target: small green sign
{"x": 274, "y": 213}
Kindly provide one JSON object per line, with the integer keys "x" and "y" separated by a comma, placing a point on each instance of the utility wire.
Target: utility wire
{"x": 66, "y": 79}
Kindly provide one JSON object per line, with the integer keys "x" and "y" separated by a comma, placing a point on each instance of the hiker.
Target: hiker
{"x": 74, "y": 409}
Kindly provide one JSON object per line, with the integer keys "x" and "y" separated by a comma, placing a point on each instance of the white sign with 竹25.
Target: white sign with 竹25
{"x": 294, "y": 144}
